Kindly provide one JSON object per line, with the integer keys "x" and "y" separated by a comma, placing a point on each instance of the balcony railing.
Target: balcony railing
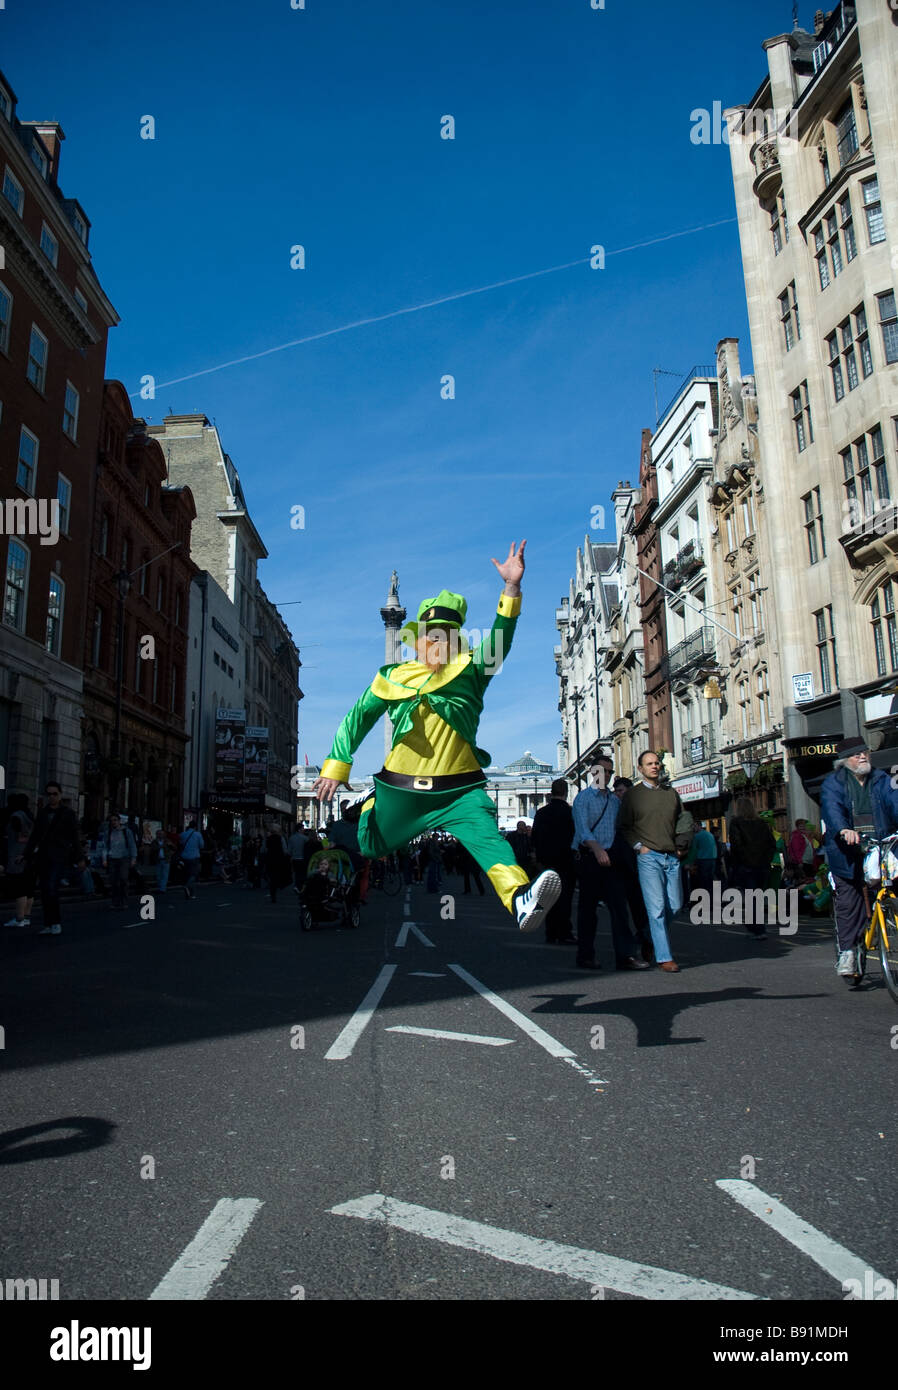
{"x": 698, "y": 647}
{"x": 688, "y": 560}
{"x": 698, "y": 748}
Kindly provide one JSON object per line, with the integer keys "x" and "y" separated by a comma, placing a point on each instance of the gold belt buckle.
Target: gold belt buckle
{"x": 423, "y": 784}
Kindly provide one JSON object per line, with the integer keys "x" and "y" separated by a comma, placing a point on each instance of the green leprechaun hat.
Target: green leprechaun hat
{"x": 446, "y": 610}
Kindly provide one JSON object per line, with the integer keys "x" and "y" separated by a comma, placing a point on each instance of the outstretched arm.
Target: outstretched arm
{"x": 512, "y": 570}
{"x": 360, "y": 720}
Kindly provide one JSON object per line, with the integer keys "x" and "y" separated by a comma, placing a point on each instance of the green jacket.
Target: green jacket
{"x": 455, "y": 694}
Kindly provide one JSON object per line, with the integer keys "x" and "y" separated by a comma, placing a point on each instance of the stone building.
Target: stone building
{"x": 582, "y": 620}
{"x": 226, "y": 544}
{"x": 135, "y": 645}
{"x": 740, "y": 582}
{"x": 623, "y": 656}
{"x": 54, "y": 320}
{"x": 814, "y": 157}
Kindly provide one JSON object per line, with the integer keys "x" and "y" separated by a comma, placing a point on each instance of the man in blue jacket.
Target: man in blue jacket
{"x": 854, "y": 800}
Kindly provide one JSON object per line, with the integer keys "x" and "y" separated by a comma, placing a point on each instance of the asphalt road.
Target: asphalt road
{"x": 194, "y": 1108}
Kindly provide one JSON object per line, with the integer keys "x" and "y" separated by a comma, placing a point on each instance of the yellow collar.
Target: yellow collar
{"x": 394, "y": 686}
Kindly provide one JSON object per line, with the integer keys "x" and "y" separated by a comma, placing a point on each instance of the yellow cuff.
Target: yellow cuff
{"x": 509, "y": 607}
{"x": 337, "y": 770}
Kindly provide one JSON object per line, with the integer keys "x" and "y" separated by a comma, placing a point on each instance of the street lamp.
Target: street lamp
{"x": 750, "y": 767}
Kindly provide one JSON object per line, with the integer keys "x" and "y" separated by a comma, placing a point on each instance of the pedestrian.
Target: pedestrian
{"x": 434, "y": 865}
{"x": 18, "y": 882}
{"x": 191, "y": 845}
{"x": 121, "y": 856}
{"x": 652, "y": 820}
{"x": 855, "y": 800}
{"x": 702, "y": 857}
{"x": 553, "y": 848}
{"x": 160, "y": 859}
{"x": 596, "y": 811}
{"x": 433, "y": 777}
{"x": 752, "y": 847}
{"x": 277, "y": 863}
{"x": 469, "y": 869}
{"x": 296, "y": 848}
{"x": 53, "y": 845}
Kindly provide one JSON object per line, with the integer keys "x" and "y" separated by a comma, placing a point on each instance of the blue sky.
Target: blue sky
{"x": 320, "y": 127}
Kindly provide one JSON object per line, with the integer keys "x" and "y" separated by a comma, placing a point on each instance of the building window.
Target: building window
{"x": 156, "y": 682}
{"x": 821, "y": 257}
{"x": 96, "y": 650}
{"x": 862, "y": 338}
{"x": 789, "y": 316}
{"x": 826, "y": 649}
{"x": 813, "y": 525}
{"x": 15, "y": 595}
{"x": 178, "y": 608}
{"x": 748, "y": 516}
{"x": 146, "y": 495}
{"x": 37, "y": 359}
{"x": 26, "y": 467}
{"x": 81, "y": 300}
{"x": 13, "y": 191}
{"x": 848, "y": 238}
{"x": 160, "y": 593}
{"x": 888, "y": 323}
{"x": 876, "y": 227}
{"x": 64, "y": 498}
{"x": 49, "y": 244}
{"x": 801, "y": 417}
{"x": 215, "y": 658}
{"x": 832, "y": 241}
{"x": 846, "y": 133}
{"x": 104, "y": 534}
{"x": 835, "y": 366}
{"x": 5, "y": 317}
{"x": 755, "y": 603}
{"x": 866, "y": 481}
{"x": 763, "y": 690}
{"x": 730, "y": 521}
{"x": 80, "y": 226}
{"x": 743, "y": 701}
{"x": 39, "y": 158}
{"x": 70, "y": 412}
{"x": 138, "y": 664}
{"x": 779, "y": 224}
{"x": 736, "y": 598}
{"x": 885, "y": 631}
{"x": 144, "y": 574}
{"x": 126, "y": 554}
{"x": 54, "y": 615}
{"x": 173, "y": 701}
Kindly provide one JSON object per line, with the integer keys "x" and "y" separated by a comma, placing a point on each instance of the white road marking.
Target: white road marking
{"x": 404, "y": 930}
{"x": 456, "y": 1037}
{"x": 206, "y": 1257}
{"x": 826, "y": 1253}
{"x": 590, "y": 1266}
{"x": 342, "y": 1047}
{"x": 425, "y": 974}
{"x": 533, "y": 1030}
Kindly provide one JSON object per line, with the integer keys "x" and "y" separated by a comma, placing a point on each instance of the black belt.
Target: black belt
{"x": 430, "y": 784}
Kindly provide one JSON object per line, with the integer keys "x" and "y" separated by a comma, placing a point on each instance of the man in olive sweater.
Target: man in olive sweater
{"x": 648, "y": 821}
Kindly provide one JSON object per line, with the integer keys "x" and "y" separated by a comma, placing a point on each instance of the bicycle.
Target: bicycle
{"x": 881, "y": 933}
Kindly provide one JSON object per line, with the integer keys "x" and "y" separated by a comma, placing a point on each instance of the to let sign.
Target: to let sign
{"x": 803, "y": 687}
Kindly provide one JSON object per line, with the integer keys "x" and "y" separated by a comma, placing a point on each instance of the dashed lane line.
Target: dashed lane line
{"x": 589, "y": 1266}
{"x": 455, "y": 1037}
{"x": 206, "y": 1257}
{"x": 347, "y": 1039}
{"x": 828, "y": 1254}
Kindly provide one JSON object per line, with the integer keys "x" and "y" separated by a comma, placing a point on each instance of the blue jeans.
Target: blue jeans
{"x": 662, "y": 891}
{"x": 162, "y": 871}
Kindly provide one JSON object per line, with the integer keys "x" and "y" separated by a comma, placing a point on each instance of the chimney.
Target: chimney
{"x": 51, "y": 133}
{"x": 819, "y": 21}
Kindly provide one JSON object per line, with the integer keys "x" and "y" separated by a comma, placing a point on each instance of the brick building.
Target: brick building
{"x": 141, "y": 550}
{"x": 651, "y": 599}
{"x": 54, "y": 320}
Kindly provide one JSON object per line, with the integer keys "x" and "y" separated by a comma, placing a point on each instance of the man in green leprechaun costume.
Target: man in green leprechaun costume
{"x": 432, "y": 778}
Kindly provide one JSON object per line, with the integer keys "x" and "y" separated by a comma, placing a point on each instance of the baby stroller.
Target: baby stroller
{"x": 330, "y": 894}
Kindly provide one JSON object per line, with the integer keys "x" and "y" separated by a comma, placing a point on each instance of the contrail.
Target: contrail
{"x": 431, "y": 304}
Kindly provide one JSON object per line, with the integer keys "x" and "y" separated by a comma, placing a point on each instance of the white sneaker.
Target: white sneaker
{"x": 14, "y": 922}
{"x": 847, "y": 964}
{"x": 531, "y": 904}
{"x": 50, "y": 931}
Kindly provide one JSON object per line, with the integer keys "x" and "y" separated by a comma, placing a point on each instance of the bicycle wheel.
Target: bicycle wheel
{"x": 888, "y": 951}
{"x": 392, "y": 882}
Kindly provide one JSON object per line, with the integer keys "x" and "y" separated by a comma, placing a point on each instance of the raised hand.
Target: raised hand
{"x": 512, "y": 570}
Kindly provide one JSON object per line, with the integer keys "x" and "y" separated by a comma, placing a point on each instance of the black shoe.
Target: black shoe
{"x": 588, "y": 965}
{"x": 566, "y": 941}
{"x": 631, "y": 963}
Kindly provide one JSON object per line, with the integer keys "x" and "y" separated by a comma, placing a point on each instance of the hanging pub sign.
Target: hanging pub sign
{"x": 255, "y": 765}
{"x": 230, "y": 737}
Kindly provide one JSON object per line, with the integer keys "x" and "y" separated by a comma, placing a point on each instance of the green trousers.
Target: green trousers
{"x": 394, "y": 816}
